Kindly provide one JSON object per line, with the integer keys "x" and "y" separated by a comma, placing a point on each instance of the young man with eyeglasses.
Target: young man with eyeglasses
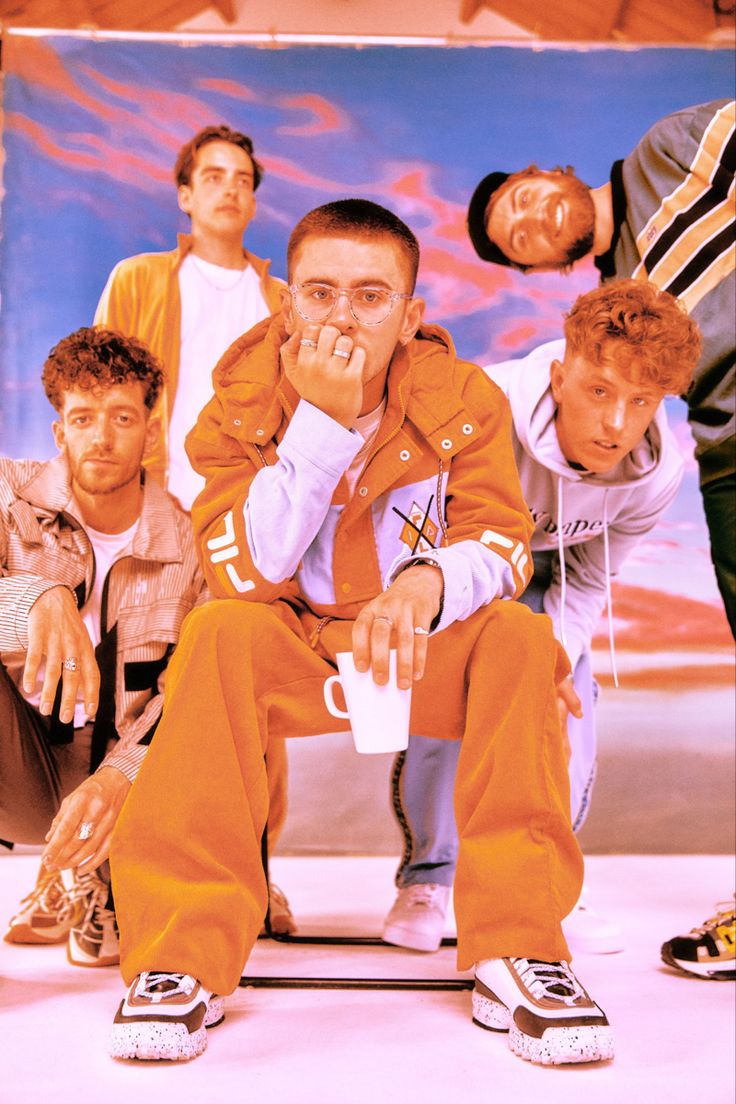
{"x": 361, "y": 494}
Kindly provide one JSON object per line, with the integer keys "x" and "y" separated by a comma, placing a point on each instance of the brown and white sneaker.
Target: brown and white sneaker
{"x": 549, "y": 1016}
{"x": 95, "y": 940}
{"x": 163, "y": 1017}
{"x": 47, "y": 914}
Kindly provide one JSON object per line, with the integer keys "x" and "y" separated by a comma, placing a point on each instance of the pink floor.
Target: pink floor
{"x": 675, "y": 1035}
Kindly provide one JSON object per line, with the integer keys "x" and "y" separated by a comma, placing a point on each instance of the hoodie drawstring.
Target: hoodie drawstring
{"x": 609, "y": 600}
{"x": 561, "y": 554}
{"x": 563, "y": 577}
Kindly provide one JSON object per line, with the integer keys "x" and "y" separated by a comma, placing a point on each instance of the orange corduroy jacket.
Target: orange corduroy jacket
{"x": 276, "y": 519}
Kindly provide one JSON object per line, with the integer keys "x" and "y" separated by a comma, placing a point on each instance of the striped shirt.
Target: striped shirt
{"x": 150, "y": 587}
{"x": 674, "y": 208}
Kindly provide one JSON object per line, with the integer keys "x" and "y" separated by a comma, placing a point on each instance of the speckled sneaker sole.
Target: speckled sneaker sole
{"x": 577, "y": 1040}
{"x": 155, "y": 1026}
{"x": 157, "y": 1040}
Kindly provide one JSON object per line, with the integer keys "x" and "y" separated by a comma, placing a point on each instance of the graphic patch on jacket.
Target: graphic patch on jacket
{"x": 419, "y": 532}
{"x": 225, "y": 547}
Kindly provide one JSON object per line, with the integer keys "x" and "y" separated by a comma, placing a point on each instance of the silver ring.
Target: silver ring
{"x": 387, "y": 619}
{"x": 341, "y": 353}
{"x": 307, "y": 343}
{"x": 419, "y": 631}
{"x": 86, "y": 828}
{"x": 70, "y": 664}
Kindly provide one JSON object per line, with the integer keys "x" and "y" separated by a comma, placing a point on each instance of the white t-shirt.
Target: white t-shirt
{"x": 217, "y": 306}
{"x": 107, "y": 547}
{"x": 367, "y": 426}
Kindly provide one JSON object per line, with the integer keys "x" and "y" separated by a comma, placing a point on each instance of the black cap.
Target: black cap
{"x": 484, "y": 247}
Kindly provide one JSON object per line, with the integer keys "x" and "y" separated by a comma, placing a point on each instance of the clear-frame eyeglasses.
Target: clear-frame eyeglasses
{"x": 369, "y": 306}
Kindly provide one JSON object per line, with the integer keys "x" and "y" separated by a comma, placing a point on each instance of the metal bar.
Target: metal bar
{"x": 339, "y": 940}
{"x": 452, "y": 984}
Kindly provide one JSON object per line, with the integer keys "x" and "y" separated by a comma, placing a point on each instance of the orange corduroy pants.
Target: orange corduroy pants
{"x": 189, "y": 884}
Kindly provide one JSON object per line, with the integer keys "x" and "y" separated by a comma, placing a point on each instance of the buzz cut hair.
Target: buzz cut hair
{"x": 358, "y": 218}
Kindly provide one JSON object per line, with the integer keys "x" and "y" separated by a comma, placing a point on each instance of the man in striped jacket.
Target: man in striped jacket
{"x": 666, "y": 215}
{"x": 97, "y": 572}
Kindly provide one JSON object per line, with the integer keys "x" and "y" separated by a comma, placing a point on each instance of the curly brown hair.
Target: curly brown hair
{"x": 92, "y": 358}
{"x": 644, "y": 331}
{"x": 187, "y": 153}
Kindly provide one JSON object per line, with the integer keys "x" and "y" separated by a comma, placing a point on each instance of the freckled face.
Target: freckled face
{"x": 601, "y": 413}
{"x": 103, "y": 433}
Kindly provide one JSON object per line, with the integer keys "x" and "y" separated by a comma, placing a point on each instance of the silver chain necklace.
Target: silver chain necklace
{"x": 212, "y": 284}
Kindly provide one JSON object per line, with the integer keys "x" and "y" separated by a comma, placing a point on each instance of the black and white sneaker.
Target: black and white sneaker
{"x": 549, "y": 1016}
{"x": 164, "y": 1016}
{"x": 708, "y": 951}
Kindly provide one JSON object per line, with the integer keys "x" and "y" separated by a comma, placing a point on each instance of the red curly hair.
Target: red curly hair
{"x": 93, "y": 358}
{"x": 645, "y": 332}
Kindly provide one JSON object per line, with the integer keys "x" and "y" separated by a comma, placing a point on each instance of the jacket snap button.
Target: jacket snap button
{"x": 447, "y": 443}
{"x": 346, "y": 588}
{"x": 467, "y": 428}
{"x": 237, "y": 421}
{"x": 259, "y": 433}
{"x": 363, "y": 492}
{"x": 404, "y": 454}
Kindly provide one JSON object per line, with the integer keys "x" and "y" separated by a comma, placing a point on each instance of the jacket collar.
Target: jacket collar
{"x": 421, "y": 384}
{"x": 157, "y": 537}
{"x": 605, "y": 262}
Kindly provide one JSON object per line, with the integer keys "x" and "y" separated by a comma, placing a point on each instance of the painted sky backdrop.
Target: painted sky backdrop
{"x": 92, "y": 128}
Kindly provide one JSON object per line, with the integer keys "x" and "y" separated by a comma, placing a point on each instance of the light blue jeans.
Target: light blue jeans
{"x": 423, "y": 778}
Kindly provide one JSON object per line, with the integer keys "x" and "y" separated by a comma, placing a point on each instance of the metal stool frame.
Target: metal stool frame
{"x": 450, "y": 984}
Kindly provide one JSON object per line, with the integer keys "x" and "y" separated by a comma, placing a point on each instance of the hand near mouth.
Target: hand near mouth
{"x": 326, "y": 371}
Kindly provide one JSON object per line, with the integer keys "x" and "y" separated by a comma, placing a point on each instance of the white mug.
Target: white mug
{"x": 378, "y": 715}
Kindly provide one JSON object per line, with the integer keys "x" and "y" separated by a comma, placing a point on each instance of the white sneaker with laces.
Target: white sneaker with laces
{"x": 549, "y": 1016}
{"x": 587, "y": 932}
{"x": 417, "y": 918}
{"x": 164, "y": 1016}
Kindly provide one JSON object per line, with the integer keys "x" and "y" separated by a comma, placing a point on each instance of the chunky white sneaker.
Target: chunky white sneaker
{"x": 549, "y": 1016}
{"x": 164, "y": 1016}
{"x": 587, "y": 932}
{"x": 417, "y": 918}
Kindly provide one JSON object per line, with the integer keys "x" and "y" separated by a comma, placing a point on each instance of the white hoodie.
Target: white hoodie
{"x": 592, "y": 521}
